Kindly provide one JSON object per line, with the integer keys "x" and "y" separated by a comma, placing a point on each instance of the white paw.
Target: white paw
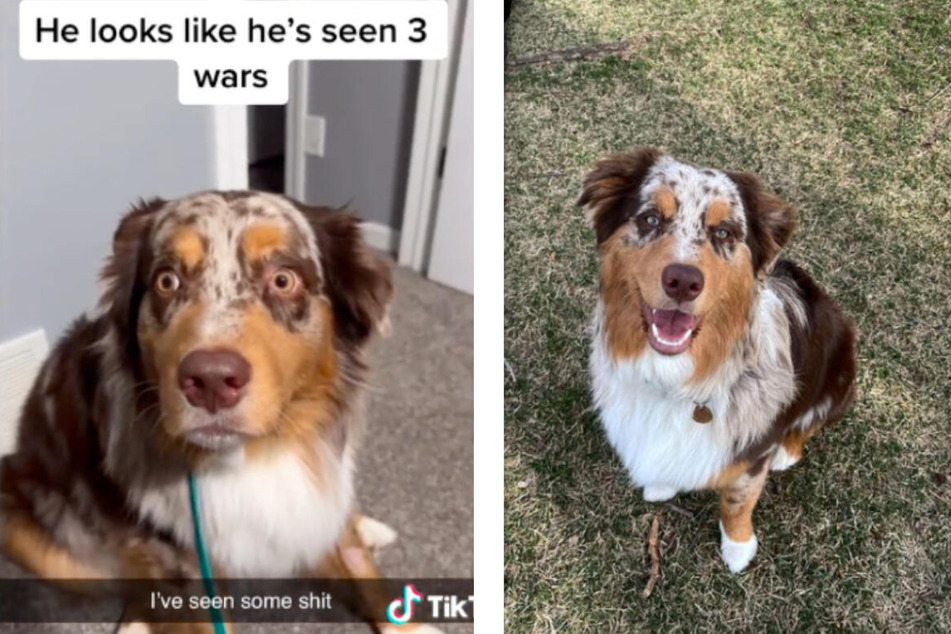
{"x": 135, "y": 627}
{"x": 737, "y": 555}
{"x": 782, "y": 460}
{"x": 374, "y": 534}
{"x": 658, "y": 493}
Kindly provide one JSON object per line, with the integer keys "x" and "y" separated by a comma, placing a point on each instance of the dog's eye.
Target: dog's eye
{"x": 167, "y": 282}
{"x": 284, "y": 281}
{"x": 721, "y": 234}
{"x": 648, "y": 221}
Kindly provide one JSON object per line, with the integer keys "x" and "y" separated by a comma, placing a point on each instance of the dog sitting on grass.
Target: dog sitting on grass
{"x": 712, "y": 360}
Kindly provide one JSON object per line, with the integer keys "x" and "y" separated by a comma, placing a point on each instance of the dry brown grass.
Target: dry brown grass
{"x": 844, "y": 109}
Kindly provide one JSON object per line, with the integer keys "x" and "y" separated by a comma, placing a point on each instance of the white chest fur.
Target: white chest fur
{"x": 653, "y": 430}
{"x": 646, "y": 405}
{"x": 262, "y": 518}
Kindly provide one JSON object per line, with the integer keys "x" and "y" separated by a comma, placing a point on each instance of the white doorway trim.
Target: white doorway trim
{"x": 295, "y": 160}
{"x": 379, "y": 236}
{"x": 433, "y": 107}
{"x": 230, "y": 130}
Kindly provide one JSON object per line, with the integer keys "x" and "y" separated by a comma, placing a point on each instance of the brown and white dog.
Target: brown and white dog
{"x": 711, "y": 358}
{"x": 229, "y": 342}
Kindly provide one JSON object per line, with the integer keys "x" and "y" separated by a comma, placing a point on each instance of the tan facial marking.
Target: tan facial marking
{"x": 624, "y": 272}
{"x": 259, "y": 241}
{"x": 188, "y": 247}
{"x": 724, "y": 305}
{"x": 717, "y": 212}
{"x": 296, "y": 374}
{"x": 665, "y": 201}
{"x": 166, "y": 346}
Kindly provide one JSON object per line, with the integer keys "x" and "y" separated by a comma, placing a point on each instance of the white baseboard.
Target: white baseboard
{"x": 20, "y": 362}
{"x": 381, "y": 237}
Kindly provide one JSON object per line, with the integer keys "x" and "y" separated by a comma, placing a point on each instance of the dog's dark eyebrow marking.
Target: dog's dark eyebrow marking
{"x": 707, "y": 172}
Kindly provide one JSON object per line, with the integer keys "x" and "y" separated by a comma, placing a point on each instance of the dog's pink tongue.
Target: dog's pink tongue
{"x": 672, "y": 324}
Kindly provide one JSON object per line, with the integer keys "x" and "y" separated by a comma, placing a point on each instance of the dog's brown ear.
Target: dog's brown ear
{"x": 770, "y": 220}
{"x": 122, "y": 275}
{"x": 357, "y": 282}
{"x": 607, "y": 189}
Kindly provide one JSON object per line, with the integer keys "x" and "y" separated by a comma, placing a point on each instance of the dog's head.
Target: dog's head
{"x": 235, "y": 310}
{"x": 681, "y": 247}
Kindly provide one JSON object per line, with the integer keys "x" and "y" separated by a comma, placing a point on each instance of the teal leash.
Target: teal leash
{"x": 204, "y": 564}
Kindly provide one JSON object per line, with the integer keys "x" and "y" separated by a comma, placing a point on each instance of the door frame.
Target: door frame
{"x": 295, "y": 160}
{"x": 377, "y": 235}
{"x": 430, "y": 129}
{"x": 411, "y": 242}
{"x": 230, "y": 143}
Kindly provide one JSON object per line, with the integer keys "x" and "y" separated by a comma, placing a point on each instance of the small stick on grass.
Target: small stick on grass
{"x": 653, "y": 548}
{"x": 679, "y": 509}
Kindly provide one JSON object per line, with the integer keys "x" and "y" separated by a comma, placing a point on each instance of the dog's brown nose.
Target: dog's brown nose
{"x": 213, "y": 379}
{"x": 682, "y": 282}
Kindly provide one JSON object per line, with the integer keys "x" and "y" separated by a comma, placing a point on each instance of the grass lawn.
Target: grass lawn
{"x": 843, "y": 108}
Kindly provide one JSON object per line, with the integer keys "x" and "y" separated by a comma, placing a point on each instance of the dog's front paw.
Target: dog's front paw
{"x": 782, "y": 460}
{"x": 737, "y": 555}
{"x": 659, "y": 493}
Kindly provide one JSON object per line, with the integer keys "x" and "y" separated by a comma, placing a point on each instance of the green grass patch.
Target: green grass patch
{"x": 842, "y": 108}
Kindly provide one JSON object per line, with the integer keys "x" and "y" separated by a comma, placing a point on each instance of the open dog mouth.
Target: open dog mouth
{"x": 669, "y": 331}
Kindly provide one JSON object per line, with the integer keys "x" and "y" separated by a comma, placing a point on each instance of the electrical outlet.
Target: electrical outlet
{"x": 315, "y": 129}
{"x": 20, "y": 362}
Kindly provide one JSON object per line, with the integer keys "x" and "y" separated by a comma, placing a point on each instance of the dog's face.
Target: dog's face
{"x": 235, "y": 308}
{"x": 680, "y": 247}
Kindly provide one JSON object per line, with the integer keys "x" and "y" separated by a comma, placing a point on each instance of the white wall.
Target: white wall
{"x": 369, "y": 108}
{"x": 80, "y": 141}
{"x": 452, "y": 257}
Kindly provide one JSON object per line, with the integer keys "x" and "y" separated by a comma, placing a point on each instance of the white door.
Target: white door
{"x": 451, "y": 259}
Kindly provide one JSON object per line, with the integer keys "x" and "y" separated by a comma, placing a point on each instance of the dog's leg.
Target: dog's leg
{"x": 27, "y": 544}
{"x": 737, "y": 501}
{"x": 352, "y": 559}
{"x": 789, "y": 451}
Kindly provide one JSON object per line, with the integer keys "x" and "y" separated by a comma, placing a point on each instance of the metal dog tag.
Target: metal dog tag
{"x": 702, "y": 414}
